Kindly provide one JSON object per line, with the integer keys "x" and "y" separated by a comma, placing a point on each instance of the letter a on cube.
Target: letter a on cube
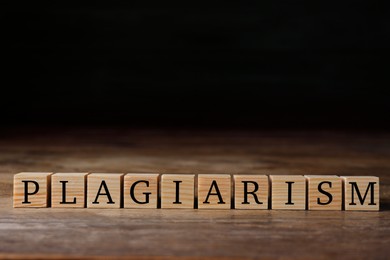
{"x": 104, "y": 190}
{"x": 214, "y": 191}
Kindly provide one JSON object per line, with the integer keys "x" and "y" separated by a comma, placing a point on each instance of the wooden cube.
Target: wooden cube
{"x": 251, "y": 191}
{"x": 177, "y": 191}
{"x": 288, "y": 192}
{"x": 32, "y": 189}
{"x": 104, "y": 190}
{"x": 361, "y": 193}
{"x": 141, "y": 190}
{"x": 214, "y": 191}
{"x": 68, "y": 190}
{"x": 324, "y": 192}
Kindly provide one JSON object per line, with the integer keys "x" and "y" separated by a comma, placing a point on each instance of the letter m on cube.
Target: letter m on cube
{"x": 361, "y": 193}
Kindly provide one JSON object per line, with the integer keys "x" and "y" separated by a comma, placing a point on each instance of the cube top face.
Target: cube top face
{"x": 32, "y": 174}
{"x": 361, "y": 193}
{"x": 324, "y": 192}
{"x": 361, "y": 178}
{"x": 211, "y": 176}
{"x": 321, "y": 176}
{"x": 214, "y": 191}
{"x": 177, "y": 175}
{"x": 68, "y": 190}
{"x": 251, "y": 191}
{"x": 288, "y": 192}
{"x": 31, "y": 189}
{"x": 141, "y": 190}
{"x": 286, "y": 177}
{"x": 143, "y": 175}
{"x": 105, "y": 175}
{"x": 104, "y": 190}
{"x": 177, "y": 191}
{"x": 70, "y": 174}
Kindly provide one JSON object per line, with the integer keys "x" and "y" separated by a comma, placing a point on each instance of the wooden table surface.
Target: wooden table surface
{"x": 191, "y": 234}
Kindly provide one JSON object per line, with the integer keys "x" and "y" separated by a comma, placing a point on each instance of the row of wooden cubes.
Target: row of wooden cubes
{"x": 214, "y": 191}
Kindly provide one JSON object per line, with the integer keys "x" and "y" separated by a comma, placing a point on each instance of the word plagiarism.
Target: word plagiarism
{"x": 190, "y": 191}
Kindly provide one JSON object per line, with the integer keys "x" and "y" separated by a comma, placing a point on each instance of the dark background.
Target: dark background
{"x": 276, "y": 64}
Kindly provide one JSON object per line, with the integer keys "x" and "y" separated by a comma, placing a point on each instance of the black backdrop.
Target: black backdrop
{"x": 259, "y": 64}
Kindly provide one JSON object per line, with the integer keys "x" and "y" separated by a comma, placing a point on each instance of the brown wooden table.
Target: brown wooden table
{"x": 190, "y": 234}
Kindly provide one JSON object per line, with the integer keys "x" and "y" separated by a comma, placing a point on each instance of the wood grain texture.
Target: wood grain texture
{"x": 369, "y": 194}
{"x": 75, "y": 190}
{"x": 214, "y": 191}
{"x": 261, "y": 191}
{"x": 145, "y": 190}
{"x": 59, "y": 233}
{"x": 185, "y": 198}
{"x": 104, "y": 190}
{"x": 319, "y": 192}
{"x": 37, "y": 184}
{"x": 280, "y": 192}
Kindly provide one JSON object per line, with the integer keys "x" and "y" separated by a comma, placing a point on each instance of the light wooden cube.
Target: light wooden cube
{"x": 141, "y": 190}
{"x": 104, "y": 190}
{"x": 68, "y": 190}
{"x": 324, "y": 192}
{"x": 214, "y": 191}
{"x": 288, "y": 192}
{"x": 361, "y": 193}
{"x": 32, "y": 189}
{"x": 251, "y": 191}
{"x": 177, "y": 191}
